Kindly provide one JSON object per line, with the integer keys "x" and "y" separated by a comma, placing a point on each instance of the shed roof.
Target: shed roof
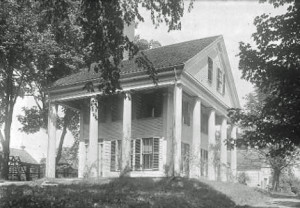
{"x": 161, "y": 57}
{"x": 24, "y": 156}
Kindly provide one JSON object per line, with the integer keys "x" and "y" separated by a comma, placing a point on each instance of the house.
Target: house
{"x": 256, "y": 171}
{"x": 22, "y": 166}
{"x": 155, "y": 130}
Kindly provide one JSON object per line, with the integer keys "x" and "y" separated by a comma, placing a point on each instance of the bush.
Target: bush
{"x": 243, "y": 178}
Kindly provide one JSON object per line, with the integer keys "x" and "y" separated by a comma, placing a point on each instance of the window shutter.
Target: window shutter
{"x": 210, "y": 69}
{"x": 224, "y": 79}
{"x": 119, "y": 154}
{"x": 137, "y": 154}
{"x": 155, "y": 153}
{"x": 113, "y": 156}
{"x": 131, "y": 154}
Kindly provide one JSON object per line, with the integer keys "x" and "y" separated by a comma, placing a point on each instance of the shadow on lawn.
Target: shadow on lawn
{"x": 119, "y": 192}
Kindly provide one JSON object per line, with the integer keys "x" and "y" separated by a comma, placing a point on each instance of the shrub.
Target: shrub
{"x": 243, "y": 178}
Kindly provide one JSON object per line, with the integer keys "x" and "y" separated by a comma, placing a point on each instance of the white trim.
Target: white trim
{"x": 86, "y": 95}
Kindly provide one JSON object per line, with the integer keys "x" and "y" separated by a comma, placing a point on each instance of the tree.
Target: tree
{"x": 17, "y": 26}
{"x": 57, "y": 54}
{"x": 143, "y": 44}
{"x": 102, "y": 24}
{"x": 279, "y": 154}
{"x": 272, "y": 65}
{"x": 271, "y": 120}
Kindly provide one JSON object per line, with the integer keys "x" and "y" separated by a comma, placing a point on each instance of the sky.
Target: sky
{"x": 232, "y": 19}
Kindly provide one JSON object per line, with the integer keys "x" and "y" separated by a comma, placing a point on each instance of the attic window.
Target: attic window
{"x": 210, "y": 69}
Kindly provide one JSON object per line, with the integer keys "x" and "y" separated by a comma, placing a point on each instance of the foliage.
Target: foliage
{"x": 144, "y": 44}
{"x": 17, "y": 34}
{"x": 272, "y": 116}
{"x": 243, "y": 178}
{"x": 272, "y": 65}
{"x": 126, "y": 192}
{"x": 277, "y": 153}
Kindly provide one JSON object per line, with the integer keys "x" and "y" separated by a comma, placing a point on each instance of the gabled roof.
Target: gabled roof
{"x": 24, "y": 156}
{"x": 161, "y": 58}
{"x": 249, "y": 160}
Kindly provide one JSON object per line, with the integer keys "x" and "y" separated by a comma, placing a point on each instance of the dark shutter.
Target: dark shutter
{"x": 219, "y": 79}
{"x": 137, "y": 154}
{"x": 113, "y": 156}
{"x": 119, "y": 154}
{"x": 155, "y": 153}
{"x": 210, "y": 69}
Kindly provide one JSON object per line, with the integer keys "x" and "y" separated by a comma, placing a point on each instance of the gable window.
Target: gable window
{"x": 146, "y": 154}
{"x": 220, "y": 81}
{"x": 115, "y": 155}
{"x": 186, "y": 113}
{"x": 148, "y": 105}
{"x": 210, "y": 69}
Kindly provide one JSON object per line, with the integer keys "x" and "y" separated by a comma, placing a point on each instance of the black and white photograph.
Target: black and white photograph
{"x": 149, "y": 103}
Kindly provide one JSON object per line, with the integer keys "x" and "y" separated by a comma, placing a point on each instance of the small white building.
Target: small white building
{"x": 155, "y": 130}
{"x": 258, "y": 173}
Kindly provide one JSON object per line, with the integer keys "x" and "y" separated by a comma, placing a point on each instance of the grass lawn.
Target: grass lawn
{"x": 131, "y": 193}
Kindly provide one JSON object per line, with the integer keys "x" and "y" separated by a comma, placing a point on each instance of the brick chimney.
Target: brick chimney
{"x": 129, "y": 32}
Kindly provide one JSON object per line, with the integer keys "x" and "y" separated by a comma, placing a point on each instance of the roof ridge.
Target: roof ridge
{"x": 185, "y": 42}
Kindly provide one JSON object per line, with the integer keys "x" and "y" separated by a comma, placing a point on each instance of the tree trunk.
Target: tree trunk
{"x": 62, "y": 137}
{"x": 275, "y": 181}
{"x": 6, "y": 144}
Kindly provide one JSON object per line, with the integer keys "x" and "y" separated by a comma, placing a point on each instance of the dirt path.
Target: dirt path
{"x": 280, "y": 203}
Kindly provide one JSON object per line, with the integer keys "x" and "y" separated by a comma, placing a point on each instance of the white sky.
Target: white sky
{"x": 232, "y": 19}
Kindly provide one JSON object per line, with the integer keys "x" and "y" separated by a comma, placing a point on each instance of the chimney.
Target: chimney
{"x": 129, "y": 32}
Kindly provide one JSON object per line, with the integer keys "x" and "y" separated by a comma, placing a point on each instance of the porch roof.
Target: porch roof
{"x": 165, "y": 57}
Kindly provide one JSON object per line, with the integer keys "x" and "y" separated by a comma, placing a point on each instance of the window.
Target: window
{"x": 210, "y": 69}
{"x": 117, "y": 108}
{"x": 185, "y": 158}
{"x": 148, "y": 105}
{"x": 204, "y": 162}
{"x": 204, "y": 123}
{"x": 186, "y": 113}
{"x": 116, "y": 155}
{"x": 146, "y": 153}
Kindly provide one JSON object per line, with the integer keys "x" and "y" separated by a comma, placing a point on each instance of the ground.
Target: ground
{"x": 136, "y": 192}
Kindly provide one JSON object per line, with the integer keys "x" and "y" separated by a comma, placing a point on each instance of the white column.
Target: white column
{"x": 81, "y": 148}
{"x": 233, "y": 153}
{"x": 223, "y": 156}
{"x": 211, "y": 143}
{"x": 168, "y": 110}
{"x": 177, "y": 128}
{"x": 93, "y": 139}
{"x": 126, "y": 132}
{"x": 196, "y": 143}
{"x": 51, "y": 150}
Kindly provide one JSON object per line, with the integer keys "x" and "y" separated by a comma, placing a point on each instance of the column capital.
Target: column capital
{"x": 179, "y": 85}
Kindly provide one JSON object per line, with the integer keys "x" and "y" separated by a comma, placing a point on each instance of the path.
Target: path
{"x": 280, "y": 203}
